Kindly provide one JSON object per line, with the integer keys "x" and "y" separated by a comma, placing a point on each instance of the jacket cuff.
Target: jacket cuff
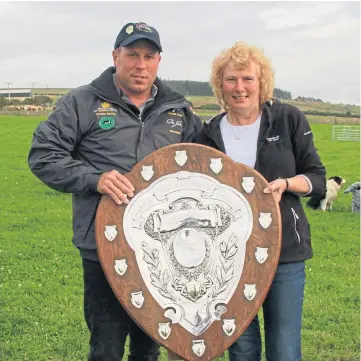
{"x": 93, "y": 182}
{"x": 309, "y": 186}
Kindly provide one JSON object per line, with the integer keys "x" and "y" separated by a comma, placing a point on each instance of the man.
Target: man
{"x": 97, "y": 133}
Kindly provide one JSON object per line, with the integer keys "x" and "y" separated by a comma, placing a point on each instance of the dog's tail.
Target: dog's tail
{"x": 314, "y": 202}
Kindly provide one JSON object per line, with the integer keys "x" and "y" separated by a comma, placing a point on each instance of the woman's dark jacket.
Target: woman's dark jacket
{"x": 285, "y": 148}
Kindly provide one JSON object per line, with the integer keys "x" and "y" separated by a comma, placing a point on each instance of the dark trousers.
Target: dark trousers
{"x": 108, "y": 322}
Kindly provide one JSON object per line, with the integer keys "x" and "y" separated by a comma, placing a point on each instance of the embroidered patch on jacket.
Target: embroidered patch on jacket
{"x": 105, "y": 110}
{"x": 175, "y": 112}
{"x": 175, "y": 125}
{"x": 106, "y": 123}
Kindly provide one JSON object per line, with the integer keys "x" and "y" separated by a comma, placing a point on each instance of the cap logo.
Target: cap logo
{"x": 144, "y": 27}
{"x": 129, "y": 29}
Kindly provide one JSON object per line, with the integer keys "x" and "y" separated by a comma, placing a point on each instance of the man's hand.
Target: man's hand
{"x": 116, "y": 186}
{"x": 277, "y": 187}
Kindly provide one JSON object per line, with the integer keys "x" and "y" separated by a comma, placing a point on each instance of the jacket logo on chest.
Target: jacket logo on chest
{"x": 105, "y": 110}
{"x": 174, "y": 123}
{"x": 106, "y": 123}
{"x": 175, "y": 126}
{"x": 273, "y": 139}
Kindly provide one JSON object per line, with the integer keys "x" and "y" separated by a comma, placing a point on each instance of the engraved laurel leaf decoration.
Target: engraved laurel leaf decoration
{"x": 166, "y": 277}
{"x": 232, "y": 251}
{"x": 224, "y": 273}
{"x": 229, "y": 274}
{"x": 155, "y": 281}
{"x": 151, "y": 257}
{"x": 165, "y": 294}
{"x": 219, "y": 274}
{"x": 148, "y": 257}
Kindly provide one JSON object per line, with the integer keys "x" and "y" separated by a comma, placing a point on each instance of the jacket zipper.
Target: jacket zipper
{"x": 296, "y": 217}
{"x": 141, "y": 129}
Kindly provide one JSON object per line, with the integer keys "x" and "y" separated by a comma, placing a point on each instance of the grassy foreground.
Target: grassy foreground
{"x": 41, "y": 311}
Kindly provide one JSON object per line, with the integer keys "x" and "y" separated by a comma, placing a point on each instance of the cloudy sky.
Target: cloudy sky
{"x": 314, "y": 46}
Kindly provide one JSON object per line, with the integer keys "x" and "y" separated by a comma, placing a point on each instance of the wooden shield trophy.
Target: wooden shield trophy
{"x": 192, "y": 256}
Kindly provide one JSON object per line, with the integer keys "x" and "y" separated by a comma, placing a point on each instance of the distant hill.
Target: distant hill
{"x": 202, "y": 88}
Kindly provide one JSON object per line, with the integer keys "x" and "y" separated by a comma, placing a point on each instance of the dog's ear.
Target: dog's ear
{"x": 337, "y": 179}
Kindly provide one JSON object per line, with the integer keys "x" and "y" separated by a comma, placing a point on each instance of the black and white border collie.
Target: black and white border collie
{"x": 324, "y": 202}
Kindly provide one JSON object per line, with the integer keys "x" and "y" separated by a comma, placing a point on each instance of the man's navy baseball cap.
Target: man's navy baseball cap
{"x": 132, "y": 32}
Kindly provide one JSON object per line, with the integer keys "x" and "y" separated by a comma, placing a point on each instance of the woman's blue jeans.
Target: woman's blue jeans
{"x": 282, "y": 312}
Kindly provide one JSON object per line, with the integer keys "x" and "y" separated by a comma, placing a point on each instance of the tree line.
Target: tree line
{"x": 202, "y": 88}
{"x": 38, "y": 100}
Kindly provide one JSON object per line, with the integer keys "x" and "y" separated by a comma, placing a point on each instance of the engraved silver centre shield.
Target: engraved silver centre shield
{"x": 189, "y": 234}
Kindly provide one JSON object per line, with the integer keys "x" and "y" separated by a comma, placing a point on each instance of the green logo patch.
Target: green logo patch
{"x": 106, "y": 123}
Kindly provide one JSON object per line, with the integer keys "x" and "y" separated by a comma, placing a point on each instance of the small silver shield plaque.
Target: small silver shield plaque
{"x": 198, "y": 347}
{"x": 120, "y": 266}
{"x": 248, "y": 184}
{"x": 261, "y": 254}
{"x": 181, "y": 157}
{"x": 265, "y": 219}
{"x": 229, "y": 326}
{"x": 250, "y": 291}
{"x": 147, "y": 172}
{"x": 164, "y": 330}
{"x": 110, "y": 232}
{"x": 137, "y": 299}
{"x": 216, "y": 165}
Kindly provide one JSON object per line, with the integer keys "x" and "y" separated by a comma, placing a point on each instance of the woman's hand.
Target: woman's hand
{"x": 276, "y": 187}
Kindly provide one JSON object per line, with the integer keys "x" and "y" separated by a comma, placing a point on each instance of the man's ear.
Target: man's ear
{"x": 115, "y": 55}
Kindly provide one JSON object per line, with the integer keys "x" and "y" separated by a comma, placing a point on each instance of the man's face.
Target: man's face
{"x": 136, "y": 66}
{"x": 241, "y": 88}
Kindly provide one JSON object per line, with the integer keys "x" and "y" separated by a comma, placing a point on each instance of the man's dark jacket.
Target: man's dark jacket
{"x": 92, "y": 131}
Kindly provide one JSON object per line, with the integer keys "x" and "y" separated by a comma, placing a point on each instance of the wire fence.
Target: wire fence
{"x": 346, "y": 133}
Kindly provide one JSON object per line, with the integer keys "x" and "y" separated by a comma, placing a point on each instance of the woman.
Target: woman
{"x": 276, "y": 140}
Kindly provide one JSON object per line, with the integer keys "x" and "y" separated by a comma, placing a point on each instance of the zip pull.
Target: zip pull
{"x": 141, "y": 131}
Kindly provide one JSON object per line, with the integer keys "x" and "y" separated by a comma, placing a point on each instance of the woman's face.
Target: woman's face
{"x": 241, "y": 88}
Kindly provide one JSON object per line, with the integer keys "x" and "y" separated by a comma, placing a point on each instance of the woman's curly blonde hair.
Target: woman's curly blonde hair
{"x": 242, "y": 54}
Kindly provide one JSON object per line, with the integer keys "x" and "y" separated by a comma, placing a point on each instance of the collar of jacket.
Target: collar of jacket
{"x": 103, "y": 86}
{"x": 213, "y": 130}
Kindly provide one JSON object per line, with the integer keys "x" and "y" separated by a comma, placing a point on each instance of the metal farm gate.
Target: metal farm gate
{"x": 346, "y": 133}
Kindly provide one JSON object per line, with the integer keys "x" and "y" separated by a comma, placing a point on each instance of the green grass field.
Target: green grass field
{"x": 41, "y": 311}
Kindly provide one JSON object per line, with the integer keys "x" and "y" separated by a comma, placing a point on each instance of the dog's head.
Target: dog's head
{"x": 353, "y": 188}
{"x": 338, "y": 180}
